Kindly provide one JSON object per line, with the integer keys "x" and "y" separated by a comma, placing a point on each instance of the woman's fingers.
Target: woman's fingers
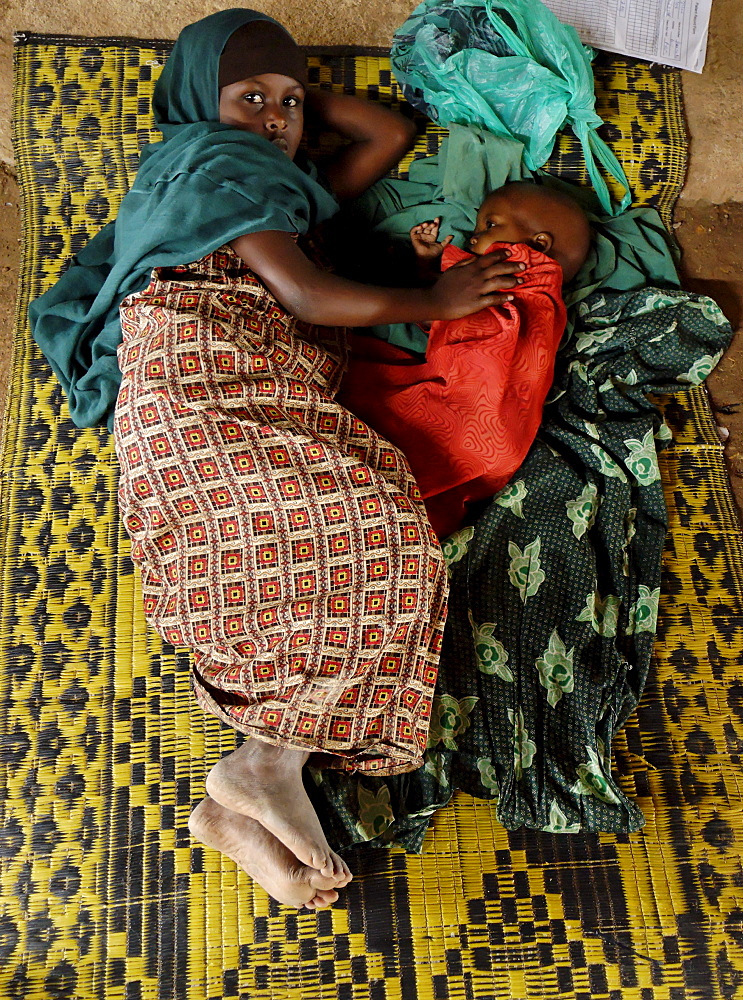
{"x": 499, "y": 266}
{"x": 494, "y": 300}
{"x": 494, "y": 282}
{"x": 496, "y": 262}
{"x": 501, "y": 274}
{"x": 493, "y": 257}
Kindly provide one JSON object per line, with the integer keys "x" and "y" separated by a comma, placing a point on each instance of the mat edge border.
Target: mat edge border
{"x": 21, "y": 38}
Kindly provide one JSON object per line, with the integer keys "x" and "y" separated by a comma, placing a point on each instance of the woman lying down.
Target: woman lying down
{"x": 278, "y": 536}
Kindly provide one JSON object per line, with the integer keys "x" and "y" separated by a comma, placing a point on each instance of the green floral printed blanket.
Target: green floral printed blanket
{"x": 554, "y": 594}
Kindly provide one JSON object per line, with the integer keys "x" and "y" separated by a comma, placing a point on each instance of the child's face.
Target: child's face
{"x": 270, "y": 105}
{"x": 499, "y": 220}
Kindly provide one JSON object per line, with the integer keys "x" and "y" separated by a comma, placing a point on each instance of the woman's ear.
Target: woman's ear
{"x": 543, "y": 242}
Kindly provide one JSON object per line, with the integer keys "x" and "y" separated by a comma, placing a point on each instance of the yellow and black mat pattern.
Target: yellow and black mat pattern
{"x": 103, "y": 751}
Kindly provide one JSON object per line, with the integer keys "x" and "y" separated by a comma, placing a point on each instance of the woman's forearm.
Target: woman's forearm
{"x": 317, "y": 296}
{"x": 378, "y": 138}
{"x": 334, "y": 301}
{"x": 354, "y": 118}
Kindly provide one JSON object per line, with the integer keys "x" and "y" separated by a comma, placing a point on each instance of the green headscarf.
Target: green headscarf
{"x": 204, "y": 185}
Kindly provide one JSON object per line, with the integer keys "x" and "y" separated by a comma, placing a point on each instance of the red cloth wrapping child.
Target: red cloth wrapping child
{"x": 466, "y": 417}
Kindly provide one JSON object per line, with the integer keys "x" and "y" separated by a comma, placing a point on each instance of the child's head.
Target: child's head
{"x": 262, "y": 81}
{"x": 544, "y": 219}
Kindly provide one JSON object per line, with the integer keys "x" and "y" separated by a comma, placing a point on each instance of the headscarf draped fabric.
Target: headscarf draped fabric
{"x": 261, "y": 47}
{"x": 204, "y": 185}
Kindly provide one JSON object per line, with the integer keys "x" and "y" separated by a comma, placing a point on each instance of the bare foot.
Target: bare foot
{"x": 262, "y": 856}
{"x": 265, "y": 782}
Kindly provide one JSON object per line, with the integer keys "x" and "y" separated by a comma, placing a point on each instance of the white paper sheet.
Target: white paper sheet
{"x": 673, "y": 32}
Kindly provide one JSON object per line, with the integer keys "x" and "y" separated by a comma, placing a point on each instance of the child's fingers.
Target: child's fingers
{"x": 429, "y": 228}
{"x": 446, "y": 241}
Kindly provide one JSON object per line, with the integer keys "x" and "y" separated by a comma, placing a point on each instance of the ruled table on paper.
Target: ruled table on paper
{"x": 673, "y": 32}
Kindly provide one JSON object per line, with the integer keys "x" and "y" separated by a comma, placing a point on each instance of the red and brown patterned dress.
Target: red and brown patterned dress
{"x": 278, "y": 537}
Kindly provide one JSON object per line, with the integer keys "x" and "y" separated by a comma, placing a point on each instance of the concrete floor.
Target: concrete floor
{"x": 709, "y": 219}
{"x": 711, "y": 237}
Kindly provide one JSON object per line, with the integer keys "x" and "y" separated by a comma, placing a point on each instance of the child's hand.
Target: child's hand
{"x": 474, "y": 285}
{"x": 424, "y": 238}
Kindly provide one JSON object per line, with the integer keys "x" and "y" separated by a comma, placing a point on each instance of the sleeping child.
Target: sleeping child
{"x": 466, "y": 416}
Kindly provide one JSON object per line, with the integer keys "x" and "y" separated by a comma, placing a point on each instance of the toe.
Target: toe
{"x": 324, "y": 863}
{"x": 341, "y": 871}
{"x": 323, "y": 898}
{"x": 205, "y": 815}
{"x": 319, "y": 881}
{"x": 346, "y": 872}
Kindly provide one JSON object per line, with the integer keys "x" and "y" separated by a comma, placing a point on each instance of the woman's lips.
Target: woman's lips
{"x": 281, "y": 143}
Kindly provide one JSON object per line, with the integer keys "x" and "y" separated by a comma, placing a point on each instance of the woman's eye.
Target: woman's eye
{"x": 253, "y": 98}
{"x": 292, "y": 102}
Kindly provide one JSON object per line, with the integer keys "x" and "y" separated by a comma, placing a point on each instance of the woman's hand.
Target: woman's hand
{"x": 378, "y": 136}
{"x": 474, "y": 284}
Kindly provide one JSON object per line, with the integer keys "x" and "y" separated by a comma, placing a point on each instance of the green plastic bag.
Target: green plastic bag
{"x": 510, "y": 67}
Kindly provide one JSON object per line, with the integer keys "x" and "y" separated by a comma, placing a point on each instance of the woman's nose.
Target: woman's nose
{"x": 275, "y": 120}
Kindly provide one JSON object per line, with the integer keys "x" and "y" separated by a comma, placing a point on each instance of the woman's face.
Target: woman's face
{"x": 269, "y": 105}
